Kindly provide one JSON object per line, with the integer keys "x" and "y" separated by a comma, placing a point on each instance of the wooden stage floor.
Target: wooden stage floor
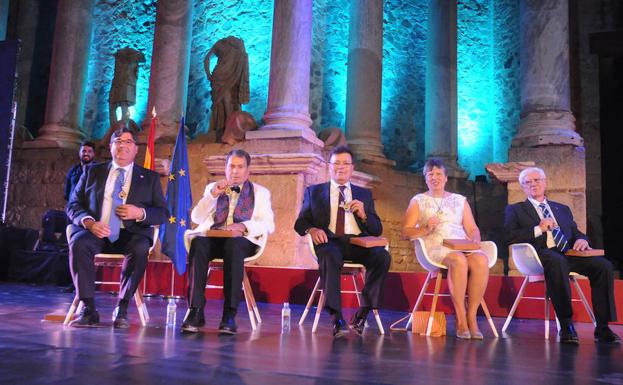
{"x": 37, "y": 352}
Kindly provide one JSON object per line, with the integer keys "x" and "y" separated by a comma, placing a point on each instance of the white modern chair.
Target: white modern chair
{"x": 349, "y": 269}
{"x": 528, "y": 263}
{"x": 111, "y": 260}
{"x": 435, "y": 270}
{"x": 217, "y": 264}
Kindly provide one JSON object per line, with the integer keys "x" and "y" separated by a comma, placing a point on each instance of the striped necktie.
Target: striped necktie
{"x": 117, "y": 199}
{"x": 559, "y": 237}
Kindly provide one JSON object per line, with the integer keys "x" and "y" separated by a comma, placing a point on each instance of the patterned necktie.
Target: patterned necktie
{"x": 115, "y": 222}
{"x": 559, "y": 237}
{"x": 339, "y": 222}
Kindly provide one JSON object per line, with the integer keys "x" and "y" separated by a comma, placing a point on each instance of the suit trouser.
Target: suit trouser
{"x": 83, "y": 246}
{"x": 331, "y": 257}
{"x": 233, "y": 251}
{"x": 599, "y": 271}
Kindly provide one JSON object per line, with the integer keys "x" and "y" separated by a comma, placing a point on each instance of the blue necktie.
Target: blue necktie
{"x": 115, "y": 222}
{"x": 559, "y": 237}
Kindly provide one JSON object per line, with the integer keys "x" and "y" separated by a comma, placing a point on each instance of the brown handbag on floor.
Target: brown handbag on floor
{"x": 420, "y": 321}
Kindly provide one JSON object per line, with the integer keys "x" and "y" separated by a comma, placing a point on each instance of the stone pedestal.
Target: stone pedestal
{"x": 441, "y": 95}
{"x": 290, "y": 60}
{"x": 565, "y": 168}
{"x": 286, "y": 176}
{"x": 65, "y": 100}
{"x": 170, "y": 63}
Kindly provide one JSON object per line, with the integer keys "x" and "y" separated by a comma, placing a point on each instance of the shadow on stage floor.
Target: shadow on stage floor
{"x": 32, "y": 351}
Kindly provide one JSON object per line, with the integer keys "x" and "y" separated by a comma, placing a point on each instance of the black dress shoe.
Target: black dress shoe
{"x": 340, "y": 328}
{"x": 357, "y": 324}
{"x": 194, "y": 320}
{"x": 227, "y": 326}
{"x": 120, "y": 318}
{"x": 568, "y": 335}
{"x": 606, "y": 336}
{"x": 88, "y": 317}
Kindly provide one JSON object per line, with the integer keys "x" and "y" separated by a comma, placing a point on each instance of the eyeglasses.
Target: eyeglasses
{"x": 533, "y": 181}
{"x": 340, "y": 164}
{"x": 126, "y": 142}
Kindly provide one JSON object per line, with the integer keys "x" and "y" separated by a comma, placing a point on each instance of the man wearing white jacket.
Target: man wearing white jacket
{"x": 233, "y": 204}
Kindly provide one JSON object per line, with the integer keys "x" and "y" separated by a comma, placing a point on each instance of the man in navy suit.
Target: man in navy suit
{"x": 331, "y": 214}
{"x": 550, "y": 228}
{"x": 113, "y": 208}
{"x": 87, "y": 157}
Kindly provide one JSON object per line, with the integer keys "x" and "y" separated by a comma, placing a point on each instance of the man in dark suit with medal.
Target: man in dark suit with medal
{"x": 550, "y": 228}
{"x": 113, "y": 208}
{"x": 333, "y": 213}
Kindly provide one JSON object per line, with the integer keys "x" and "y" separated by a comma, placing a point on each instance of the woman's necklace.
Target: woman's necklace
{"x": 439, "y": 205}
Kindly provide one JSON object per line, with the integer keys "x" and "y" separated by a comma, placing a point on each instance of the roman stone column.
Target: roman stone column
{"x": 365, "y": 70}
{"x": 66, "y": 90}
{"x": 441, "y": 97}
{"x": 546, "y": 117}
{"x": 288, "y": 88}
{"x": 170, "y": 64}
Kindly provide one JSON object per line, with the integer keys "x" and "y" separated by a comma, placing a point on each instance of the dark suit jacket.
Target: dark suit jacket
{"x": 145, "y": 191}
{"x": 316, "y": 211}
{"x": 520, "y": 219}
{"x": 71, "y": 180}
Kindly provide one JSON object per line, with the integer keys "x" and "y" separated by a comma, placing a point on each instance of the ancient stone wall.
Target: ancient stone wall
{"x": 38, "y": 177}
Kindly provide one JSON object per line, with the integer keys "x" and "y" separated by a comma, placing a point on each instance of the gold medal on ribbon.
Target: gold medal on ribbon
{"x": 122, "y": 194}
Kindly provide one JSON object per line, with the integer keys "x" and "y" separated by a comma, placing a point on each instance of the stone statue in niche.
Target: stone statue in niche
{"x": 229, "y": 81}
{"x": 123, "y": 88}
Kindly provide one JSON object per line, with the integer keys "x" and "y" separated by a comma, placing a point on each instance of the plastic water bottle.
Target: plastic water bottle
{"x": 285, "y": 318}
{"x": 171, "y": 312}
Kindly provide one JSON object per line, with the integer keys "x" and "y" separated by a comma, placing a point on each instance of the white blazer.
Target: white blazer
{"x": 258, "y": 227}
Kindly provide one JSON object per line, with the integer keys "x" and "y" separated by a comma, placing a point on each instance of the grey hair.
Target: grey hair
{"x": 526, "y": 171}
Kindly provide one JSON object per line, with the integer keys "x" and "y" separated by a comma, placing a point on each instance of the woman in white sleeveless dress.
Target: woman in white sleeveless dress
{"x": 437, "y": 215}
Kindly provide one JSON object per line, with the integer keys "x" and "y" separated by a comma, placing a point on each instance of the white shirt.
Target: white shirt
{"x": 350, "y": 224}
{"x": 537, "y": 230}
{"x": 110, "y": 186}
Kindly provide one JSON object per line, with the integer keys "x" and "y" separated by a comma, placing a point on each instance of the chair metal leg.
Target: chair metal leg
{"x": 547, "y": 317}
{"x": 515, "y": 304}
{"x": 246, "y": 283}
{"x": 139, "y": 307}
{"x": 72, "y": 310}
{"x": 485, "y": 309}
{"x": 143, "y": 305}
{"x": 583, "y": 298}
{"x": 393, "y": 326}
{"x": 379, "y": 324}
{"x": 357, "y": 292}
{"x": 420, "y": 297}
{"x": 310, "y": 301}
{"x": 318, "y": 311}
{"x": 433, "y": 307}
{"x": 247, "y": 301}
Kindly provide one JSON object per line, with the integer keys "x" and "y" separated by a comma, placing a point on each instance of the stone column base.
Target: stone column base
{"x": 546, "y": 128}
{"x": 369, "y": 152}
{"x": 56, "y": 136}
{"x": 565, "y": 167}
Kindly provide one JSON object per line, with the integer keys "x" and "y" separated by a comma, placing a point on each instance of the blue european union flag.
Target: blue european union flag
{"x": 179, "y": 201}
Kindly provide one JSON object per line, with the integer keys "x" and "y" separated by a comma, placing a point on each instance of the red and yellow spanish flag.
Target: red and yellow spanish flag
{"x": 149, "y": 151}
